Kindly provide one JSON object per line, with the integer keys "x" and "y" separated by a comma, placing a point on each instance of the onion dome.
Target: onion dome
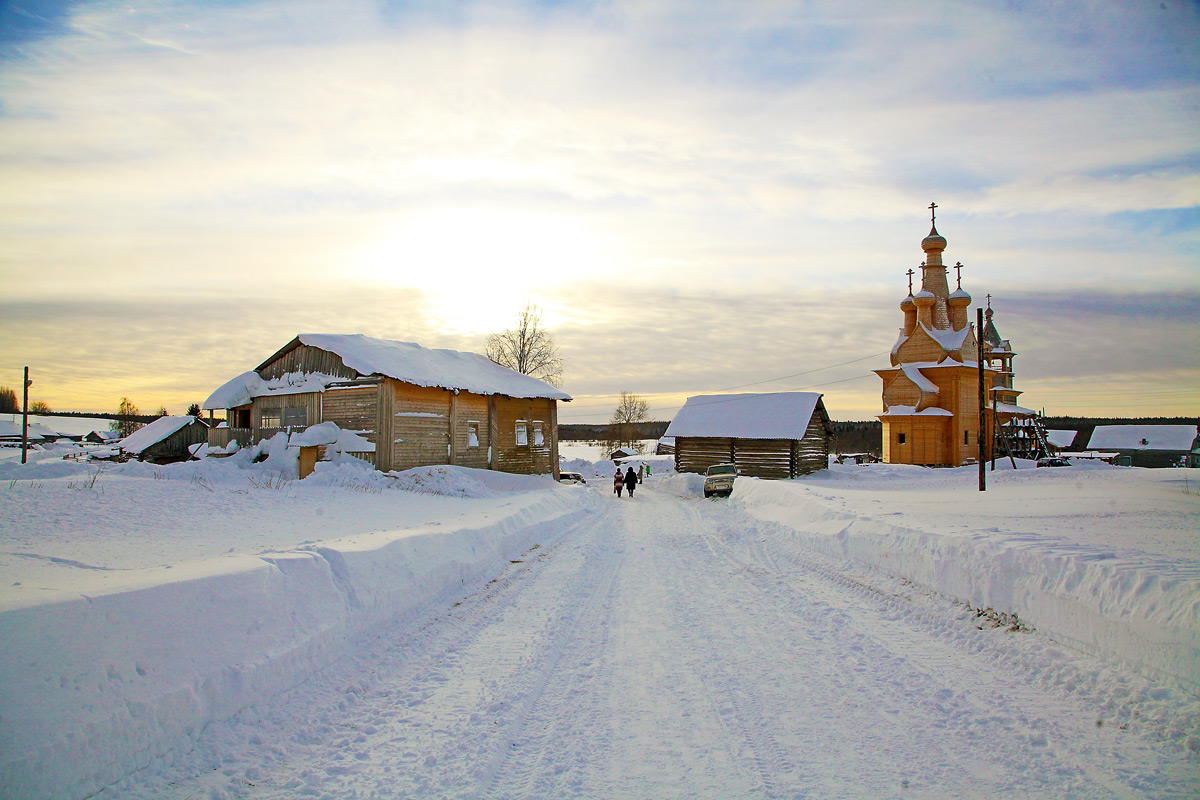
{"x": 934, "y": 242}
{"x": 959, "y": 297}
{"x": 907, "y": 303}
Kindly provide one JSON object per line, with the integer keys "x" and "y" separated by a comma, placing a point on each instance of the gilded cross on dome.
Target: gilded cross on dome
{"x": 933, "y": 213}
{"x": 958, "y": 267}
{"x": 910, "y": 274}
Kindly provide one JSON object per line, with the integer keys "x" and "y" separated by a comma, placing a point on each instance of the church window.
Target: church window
{"x": 966, "y": 437}
{"x": 901, "y": 439}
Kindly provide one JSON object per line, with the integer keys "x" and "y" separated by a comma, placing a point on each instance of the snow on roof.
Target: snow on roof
{"x": 774, "y": 415}
{"x": 422, "y": 366}
{"x": 1009, "y": 408}
{"x": 949, "y": 339}
{"x": 245, "y": 387}
{"x": 404, "y": 361}
{"x": 1142, "y": 437}
{"x": 914, "y": 375}
{"x": 150, "y": 435}
{"x": 1060, "y": 438}
{"x": 911, "y": 411}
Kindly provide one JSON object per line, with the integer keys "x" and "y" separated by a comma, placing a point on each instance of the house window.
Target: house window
{"x": 900, "y": 438}
{"x": 539, "y": 438}
{"x": 295, "y": 417}
{"x": 522, "y": 433}
{"x": 271, "y": 418}
{"x": 472, "y": 434}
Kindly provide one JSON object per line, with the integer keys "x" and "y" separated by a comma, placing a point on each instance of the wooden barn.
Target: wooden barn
{"x": 165, "y": 440}
{"x": 774, "y": 435}
{"x": 407, "y": 405}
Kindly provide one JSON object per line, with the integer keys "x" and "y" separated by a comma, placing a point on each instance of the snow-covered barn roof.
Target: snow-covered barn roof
{"x": 1142, "y": 437}
{"x": 773, "y": 415}
{"x": 403, "y": 361}
{"x": 1061, "y": 438}
{"x": 150, "y": 435}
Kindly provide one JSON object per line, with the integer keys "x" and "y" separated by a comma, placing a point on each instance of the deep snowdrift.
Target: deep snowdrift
{"x": 1110, "y": 582}
{"x": 94, "y": 683}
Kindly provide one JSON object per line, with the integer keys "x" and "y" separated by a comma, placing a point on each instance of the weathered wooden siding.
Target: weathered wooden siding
{"x": 531, "y": 458}
{"x": 812, "y": 452}
{"x": 697, "y": 454}
{"x": 354, "y": 408}
{"x": 175, "y": 447}
{"x": 274, "y": 407}
{"x": 763, "y": 458}
{"x": 420, "y": 426}
{"x": 471, "y": 409}
{"x": 307, "y": 359}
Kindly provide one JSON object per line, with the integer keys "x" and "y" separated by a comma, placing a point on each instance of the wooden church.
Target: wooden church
{"x": 931, "y": 390}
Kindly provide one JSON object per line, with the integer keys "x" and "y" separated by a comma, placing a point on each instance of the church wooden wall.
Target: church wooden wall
{"x": 925, "y": 440}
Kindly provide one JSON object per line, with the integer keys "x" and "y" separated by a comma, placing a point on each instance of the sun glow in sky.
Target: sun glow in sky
{"x": 700, "y": 197}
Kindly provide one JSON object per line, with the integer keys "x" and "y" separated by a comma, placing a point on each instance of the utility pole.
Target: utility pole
{"x": 25, "y": 416}
{"x": 982, "y": 406}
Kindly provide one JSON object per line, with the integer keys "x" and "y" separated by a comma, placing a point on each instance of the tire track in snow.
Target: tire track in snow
{"x": 930, "y": 642}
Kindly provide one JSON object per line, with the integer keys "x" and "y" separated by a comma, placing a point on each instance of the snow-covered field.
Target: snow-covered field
{"x": 211, "y": 630}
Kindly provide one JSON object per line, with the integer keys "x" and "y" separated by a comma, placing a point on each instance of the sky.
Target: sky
{"x": 699, "y": 197}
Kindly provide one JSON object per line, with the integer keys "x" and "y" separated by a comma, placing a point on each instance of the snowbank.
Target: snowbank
{"x": 1122, "y": 604}
{"x": 93, "y": 687}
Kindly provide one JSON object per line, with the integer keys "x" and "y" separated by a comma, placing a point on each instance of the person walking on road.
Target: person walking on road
{"x": 618, "y": 482}
{"x": 631, "y": 480}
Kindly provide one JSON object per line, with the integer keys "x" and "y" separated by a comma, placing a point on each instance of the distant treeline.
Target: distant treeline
{"x": 97, "y": 415}
{"x": 577, "y": 432}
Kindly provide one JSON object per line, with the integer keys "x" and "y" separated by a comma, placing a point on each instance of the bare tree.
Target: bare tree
{"x": 8, "y": 401}
{"x": 126, "y": 424}
{"x": 39, "y": 407}
{"x": 624, "y": 427}
{"x": 528, "y": 348}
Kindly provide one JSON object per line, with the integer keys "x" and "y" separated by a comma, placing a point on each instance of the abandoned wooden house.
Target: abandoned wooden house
{"x": 771, "y": 435}
{"x": 166, "y": 440}
{"x": 407, "y": 405}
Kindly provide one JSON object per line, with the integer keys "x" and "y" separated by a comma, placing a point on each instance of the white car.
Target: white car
{"x": 570, "y": 477}
{"x": 719, "y": 480}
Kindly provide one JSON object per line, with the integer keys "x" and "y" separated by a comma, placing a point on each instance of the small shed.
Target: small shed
{"x": 1146, "y": 445}
{"x": 767, "y": 435}
{"x": 101, "y": 436}
{"x": 665, "y": 446}
{"x": 165, "y": 440}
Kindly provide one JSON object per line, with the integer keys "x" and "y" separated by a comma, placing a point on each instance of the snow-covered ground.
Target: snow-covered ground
{"x": 210, "y": 630}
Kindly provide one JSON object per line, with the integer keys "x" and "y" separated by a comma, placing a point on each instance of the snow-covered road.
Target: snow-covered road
{"x": 670, "y": 647}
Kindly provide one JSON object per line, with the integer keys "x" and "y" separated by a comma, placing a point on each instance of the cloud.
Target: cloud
{"x": 760, "y": 168}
